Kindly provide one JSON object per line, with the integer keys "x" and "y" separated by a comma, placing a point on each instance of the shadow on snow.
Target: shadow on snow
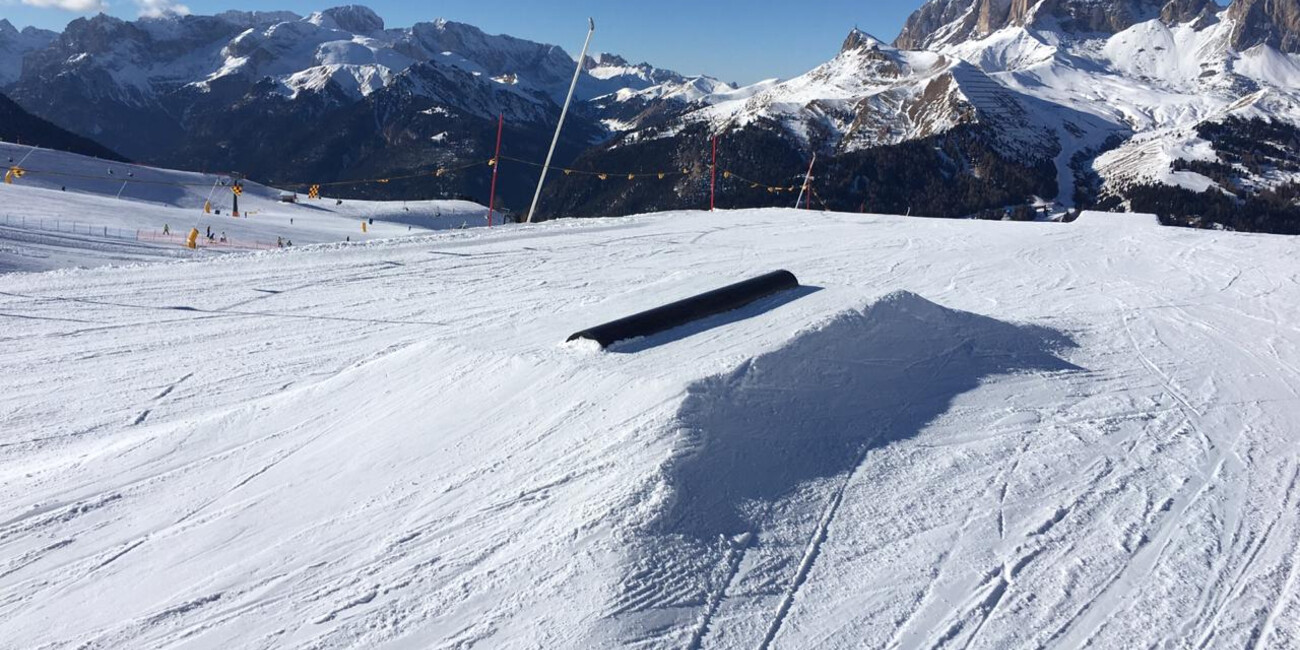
{"x": 811, "y": 409}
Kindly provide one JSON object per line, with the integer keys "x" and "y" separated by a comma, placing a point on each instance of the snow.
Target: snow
{"x": 44, "y": 226}
{"x": 958, "y": 433}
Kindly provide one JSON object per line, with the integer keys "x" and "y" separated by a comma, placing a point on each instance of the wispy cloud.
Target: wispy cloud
{"x": 79, "y": 6}
{"x": 159, "y": 8}
{"x": 148, "y": 8}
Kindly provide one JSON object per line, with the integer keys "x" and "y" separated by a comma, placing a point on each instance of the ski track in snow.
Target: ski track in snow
{"x": 971, "y": 435}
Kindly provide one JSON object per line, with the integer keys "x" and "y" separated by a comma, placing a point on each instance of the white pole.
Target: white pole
{"x": 591, "y": 29}
{"x": 806, "y": 179}
{"x": 29, "y": 155}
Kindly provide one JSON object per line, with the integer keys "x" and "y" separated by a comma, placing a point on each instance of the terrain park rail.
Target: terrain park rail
{"x": 691, "y": 309}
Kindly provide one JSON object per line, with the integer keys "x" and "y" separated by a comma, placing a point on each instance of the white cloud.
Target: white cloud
{"x": 158, "y": 8}
{"x": 79, "y": 6}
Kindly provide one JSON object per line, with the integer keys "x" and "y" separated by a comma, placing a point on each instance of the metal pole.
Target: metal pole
{"x": 496, "y": 167}
{"x": 713, "y": 179}
{"x": 591, "y": 29}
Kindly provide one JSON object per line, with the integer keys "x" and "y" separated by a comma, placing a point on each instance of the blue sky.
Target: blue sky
{"x": 736, "y": 40}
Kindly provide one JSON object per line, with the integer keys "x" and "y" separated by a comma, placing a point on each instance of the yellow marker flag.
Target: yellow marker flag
{"x": 726, "y": 174}
{"x": 440, "y": 172}
{"x": 604, "y": 176}
{"x": 631, "y": 177}
{"x": 568, "y": 172}
{"x": 492, "y": 163}
{"x": 661, "y": 175}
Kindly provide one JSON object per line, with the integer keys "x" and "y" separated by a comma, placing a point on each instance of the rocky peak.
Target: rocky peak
{"x": 7, "y": 28}
{"x": 350, "y": 18}
{"x": 947, "y": 22}
{"x": 860, "y": 40}
{"x": 606, "y": 59}
{"x": 257, "y": 19}
{"x": 98, "y": 34}
{"x": 1178, "y": 12}
{"x": 1266, "y": 22}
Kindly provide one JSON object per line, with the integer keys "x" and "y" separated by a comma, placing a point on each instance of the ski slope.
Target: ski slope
{"x": 958, "y": 434}
{"x": 72, "y": 210}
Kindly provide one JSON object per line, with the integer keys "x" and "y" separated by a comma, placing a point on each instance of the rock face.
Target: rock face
{"x": 16, "y": 45}
{"x": 948, "y": 22}
{"x": 1184, "y": 11}
{"x": 1268, "y": 22}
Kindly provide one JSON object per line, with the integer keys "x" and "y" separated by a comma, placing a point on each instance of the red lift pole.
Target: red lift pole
{"x": 807, "y": 186}
{"x": 496, "y": 167}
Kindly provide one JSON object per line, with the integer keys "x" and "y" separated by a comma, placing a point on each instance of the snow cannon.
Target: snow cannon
{"x": 691, "y": 309}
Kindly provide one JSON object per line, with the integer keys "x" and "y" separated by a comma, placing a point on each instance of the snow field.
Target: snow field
{"x": 67, "y": 212}
{"x": 959, "y": 433}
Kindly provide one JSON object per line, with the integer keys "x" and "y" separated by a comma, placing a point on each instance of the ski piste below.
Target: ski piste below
{"x": 974, "y": 434}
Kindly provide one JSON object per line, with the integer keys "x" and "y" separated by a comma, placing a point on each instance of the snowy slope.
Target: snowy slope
{"x": 72, "y": 210}
{"x": 961, "y": 433}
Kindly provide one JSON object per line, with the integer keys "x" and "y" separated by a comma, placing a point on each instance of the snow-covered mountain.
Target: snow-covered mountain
{"x": 16, "y": 45}
{"x": 1110, "y": 94}
{"x": 330, "y": 95}
{"x": 978, "y": 107}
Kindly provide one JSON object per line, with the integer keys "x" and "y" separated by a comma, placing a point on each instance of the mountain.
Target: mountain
{"x": 978, "y": 108}
{"x": 19, "y": 126}
{"x": 16, "y": 45}
{"x": 949, "y": 22}
{"x": 982, "y": 107}
{"x": 1275, "y": 23}
{"x": 329, "y": 96}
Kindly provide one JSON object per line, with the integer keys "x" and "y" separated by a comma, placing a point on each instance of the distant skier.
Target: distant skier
{"x": 167, "y": 229}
